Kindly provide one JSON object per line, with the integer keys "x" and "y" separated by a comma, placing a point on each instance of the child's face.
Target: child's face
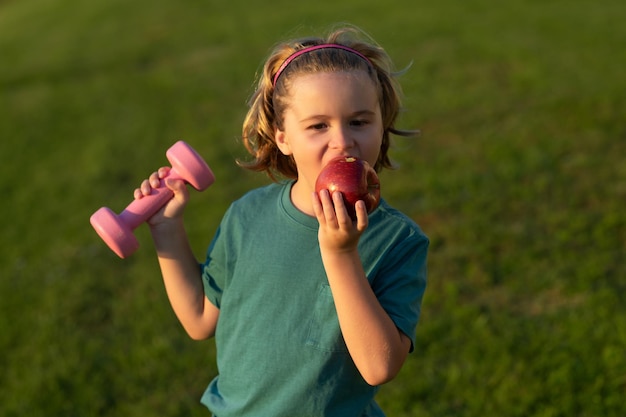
{"x": 330, "y": 115}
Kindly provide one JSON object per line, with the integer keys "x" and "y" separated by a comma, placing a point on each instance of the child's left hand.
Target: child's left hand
{"x": 337, "y": 231}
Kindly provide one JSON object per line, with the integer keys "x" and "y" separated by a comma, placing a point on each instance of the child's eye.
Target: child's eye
{"x": 359, "y": 122}
{"x": 318, "y": 126}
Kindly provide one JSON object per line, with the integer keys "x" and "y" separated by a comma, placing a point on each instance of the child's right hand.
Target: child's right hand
{"x": 173, "y": 209}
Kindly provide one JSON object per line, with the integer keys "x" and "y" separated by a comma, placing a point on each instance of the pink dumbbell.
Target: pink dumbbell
{"x": 117, "y": 231}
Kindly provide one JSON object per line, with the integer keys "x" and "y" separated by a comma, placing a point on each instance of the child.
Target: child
{"x": 311, "y": 311}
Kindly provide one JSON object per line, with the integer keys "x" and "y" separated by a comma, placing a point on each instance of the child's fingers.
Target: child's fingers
{"x": 329, "y": 208}
{"x": 323, "y": 207}
{"x": 361, "y": 216}
{"x": 339, "y": 209}
{"x": 317, "y": 206}
{"x": 178, "y": 187}
{"x": 163, "y": 172}
{"x": 146, "y": 186}
{"x": 154, "y": 180}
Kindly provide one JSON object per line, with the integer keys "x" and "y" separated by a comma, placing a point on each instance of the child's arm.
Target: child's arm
{"x": 377, "y": 347}
{"x": 180, "y": 269}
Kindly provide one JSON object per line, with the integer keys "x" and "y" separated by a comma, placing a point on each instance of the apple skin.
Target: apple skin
{"x": 355, "y": 178}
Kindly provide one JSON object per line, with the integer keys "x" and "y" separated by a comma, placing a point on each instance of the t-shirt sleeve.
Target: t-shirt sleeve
{"x": 400, "y": 285}
{"x": 214, "y": 270}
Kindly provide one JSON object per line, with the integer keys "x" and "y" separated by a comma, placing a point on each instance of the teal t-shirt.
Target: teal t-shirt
{"x": 280, "y": 351}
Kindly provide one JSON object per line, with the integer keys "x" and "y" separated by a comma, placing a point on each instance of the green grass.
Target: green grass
{"x": 519, "y": 179}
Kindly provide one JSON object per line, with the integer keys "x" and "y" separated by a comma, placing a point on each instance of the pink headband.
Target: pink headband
{"x": 314, "y": 48}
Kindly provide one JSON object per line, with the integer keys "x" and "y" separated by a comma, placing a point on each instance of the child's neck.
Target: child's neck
{"x": 301, "y": 197}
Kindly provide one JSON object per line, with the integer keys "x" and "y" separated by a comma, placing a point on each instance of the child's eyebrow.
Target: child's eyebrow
{"x": 316, "y": 117}
{"x": 363, "y": 113}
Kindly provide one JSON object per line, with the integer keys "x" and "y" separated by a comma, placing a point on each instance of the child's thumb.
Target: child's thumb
{"x": 174, "y": 184}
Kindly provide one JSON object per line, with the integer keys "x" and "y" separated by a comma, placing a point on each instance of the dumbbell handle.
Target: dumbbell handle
{"x": 140, "y": 210}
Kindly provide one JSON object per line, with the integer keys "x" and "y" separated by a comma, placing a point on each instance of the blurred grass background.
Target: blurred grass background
{"x": 519, "y": 179}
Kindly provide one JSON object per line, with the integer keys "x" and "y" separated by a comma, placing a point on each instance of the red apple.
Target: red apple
{"x": 356, "y": 180}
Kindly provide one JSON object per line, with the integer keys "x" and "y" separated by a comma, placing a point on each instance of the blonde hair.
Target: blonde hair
{"x": 268, "y": 102}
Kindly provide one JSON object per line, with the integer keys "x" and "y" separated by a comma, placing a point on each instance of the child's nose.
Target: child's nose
{"x": 342, "y": 139}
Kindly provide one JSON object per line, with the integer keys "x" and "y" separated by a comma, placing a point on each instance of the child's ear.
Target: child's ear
{"x": 282, "y": 142}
